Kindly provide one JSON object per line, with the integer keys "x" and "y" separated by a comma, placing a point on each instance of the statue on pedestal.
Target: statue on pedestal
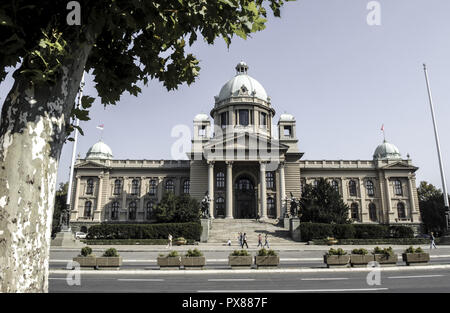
{"x": 205, "y": 206}
{"x": 295, "y": 205}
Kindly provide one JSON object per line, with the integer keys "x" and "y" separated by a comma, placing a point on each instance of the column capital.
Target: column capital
{"x": 229, "y": 163}
{"x": 210, "y": 163}
{"x": 262, "y": 165}
{"x": 282, "y": 164}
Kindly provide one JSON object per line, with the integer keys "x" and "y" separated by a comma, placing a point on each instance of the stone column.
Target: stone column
{"x": 263, "y": 195}
{"x": 160, "y": 187}
{"x": 362, "y": 193}
{"x": 411, "y": 196}
{"x": 98, "y": 210}
{"x": 124, "y": 196}
{"x": 142, "y": 192}
{"x": 282, "y": 190}
{"x": 389, "y": 211}
{"x": 211, "y": 187}
{"x": 229, "y": 207}
{"x": 75, "y": 201}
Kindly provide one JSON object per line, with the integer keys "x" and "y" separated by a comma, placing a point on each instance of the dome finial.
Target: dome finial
{"x": 241, "y": 68}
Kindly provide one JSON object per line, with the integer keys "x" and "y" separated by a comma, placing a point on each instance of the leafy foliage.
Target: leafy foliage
{"x": 131, "y": 41}
{"x": 173, "y": 254}
{"x": 264, "y": 252}
{"x": 240, "y": 253}
{"x": 338, "y": 251}
{"x": 432, "y": 210}
{"x": 86, "y": 251}
{"x": 411, "y": 249}
{"x": 111, "y": 252}
{"x": 323, "y": 204}
{"x": 145, "y": 231}
{"x": 360, "y": 251}
{"x": 386, "y": 251}
{"x": 194, "y": 253}
{"x": 177, "y": 209}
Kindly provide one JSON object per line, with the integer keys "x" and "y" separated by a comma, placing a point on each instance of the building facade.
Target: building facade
{"x": 246, "y": 165}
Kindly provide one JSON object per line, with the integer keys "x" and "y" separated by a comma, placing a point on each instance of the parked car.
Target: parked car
{"x": 80, "y": 235}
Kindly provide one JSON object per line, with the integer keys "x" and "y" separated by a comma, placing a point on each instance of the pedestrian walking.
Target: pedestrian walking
{"x": 432, "y": 244}
{"x": 266, "y": 241}
{"x": 259, "y": 241}
{"x": 169, "y": 244}
{"x": 244, "y": 241}
{"x": 229, "y": 242}
{"x": 240, "y": 239}
{"x": 257, "y": 217}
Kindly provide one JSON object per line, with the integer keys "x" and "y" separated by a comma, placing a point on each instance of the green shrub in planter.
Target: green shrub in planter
{"x": 240, "y": 253}
{"x": 271, "y": 253}
{"x": 385, "y": 256}
{"x": 339, "y": 251}
{"x": 415, "y": 256}
{"x": 86, "y": 251}
{"x": 267, "y": 259}
{"x": 361, "y": 251}
{"x": 194, "y": 253}
{"x": 173, "y": 254}
{"x": 110, "y": 253}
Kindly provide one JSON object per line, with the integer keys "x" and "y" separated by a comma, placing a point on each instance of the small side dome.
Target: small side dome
{"x": 287, "y": 117}
{"x": 386, "y": 151}
{"x": 202, "y": 117}
{"x": 99, "y": 151}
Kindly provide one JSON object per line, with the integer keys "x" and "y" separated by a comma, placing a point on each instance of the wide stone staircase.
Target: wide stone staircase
{"x": 224, "y": 229}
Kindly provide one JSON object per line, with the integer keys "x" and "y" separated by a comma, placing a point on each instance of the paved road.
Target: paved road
{"x": 419, "y": 280}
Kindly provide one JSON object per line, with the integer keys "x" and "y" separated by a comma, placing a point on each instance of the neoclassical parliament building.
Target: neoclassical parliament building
{"x": 247, "y": 167}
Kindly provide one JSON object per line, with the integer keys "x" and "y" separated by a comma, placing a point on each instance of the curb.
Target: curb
{"x": 251, "y": 271}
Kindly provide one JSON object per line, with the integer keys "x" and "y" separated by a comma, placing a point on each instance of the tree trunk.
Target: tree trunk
{"x": 32, "y": 133}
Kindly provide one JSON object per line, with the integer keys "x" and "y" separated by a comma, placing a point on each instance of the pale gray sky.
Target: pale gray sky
{"x": 322, "y": 62}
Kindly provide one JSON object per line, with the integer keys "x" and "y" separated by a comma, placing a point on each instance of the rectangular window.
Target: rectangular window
{"x": 287, "y": 131}
{"x": 263, "y": 119}
{"x": 224, "y": 119}
{"x": 243, "y": 117}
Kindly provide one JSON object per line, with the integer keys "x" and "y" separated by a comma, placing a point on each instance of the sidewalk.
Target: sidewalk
{"x": 208, "y": 247}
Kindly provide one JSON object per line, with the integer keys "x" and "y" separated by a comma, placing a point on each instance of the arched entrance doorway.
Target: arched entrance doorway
{"x": 245, "y": 199}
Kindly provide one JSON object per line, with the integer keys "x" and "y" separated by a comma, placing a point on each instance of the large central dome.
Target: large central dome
{"x": 242, "y": 84}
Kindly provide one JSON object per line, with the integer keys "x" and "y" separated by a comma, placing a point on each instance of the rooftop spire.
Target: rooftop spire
{"x": 241, "y": 68}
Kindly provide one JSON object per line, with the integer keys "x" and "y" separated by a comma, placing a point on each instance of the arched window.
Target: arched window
{"x": 90, "y": 186}
{"x": 335, "y": 185}
{"x": 115, "y": 211}
{"x": 398, "y": 190}
{"x": 271, "y": 210}
{"x": 87, "y": 209}
{"x": 169, "y": 186}
{"x": 244, "y": 184}
{"x": 117, "y": 186}
{"x": 270, "y": 181}
{"x": 149, "y": 210}
{"x": 135, "y": 190}
{"x": 373, "y": 212}
{"x": 401, "y": 210}
{"x": 220, "y": 180}
{"x": 132, "y": 208}
{"x": 186, "y": 186}
{"x": 152, "y": 190}
{"x": 352, "y": 188}
{"x": 220, "y": 206}
{"x": 370, "y": 188}
{"x": 354, "y": 208}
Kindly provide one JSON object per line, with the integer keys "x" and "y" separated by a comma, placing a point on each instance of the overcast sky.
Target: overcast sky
{"x": 322, "y": 62}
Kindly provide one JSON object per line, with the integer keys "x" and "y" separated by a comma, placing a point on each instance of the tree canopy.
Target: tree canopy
{"x": 177, "y": 209}
{"x": 431, "y": 205}
{"x": 323, "y": 204}
{"x": 132, "y": 40}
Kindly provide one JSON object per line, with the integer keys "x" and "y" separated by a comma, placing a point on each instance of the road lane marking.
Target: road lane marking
{"x": 293, "y": 290}
{"x": 139, "y": 279}
{"x": 329, "y": 278}
{"x": 418, "y": 276}
{"x": 231, "y": 279}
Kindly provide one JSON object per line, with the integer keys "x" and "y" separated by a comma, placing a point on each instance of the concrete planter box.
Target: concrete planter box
{"x": 240, "y": 261}
{"x": 169, "y": 262}
{"x": 86, "y": 261}
{"x": 109, "y": 261}
{"x": 385, "y": 259}
{"x": 361, "y": 260}
{"x": 336, "y": 260}
{"x": 197, "y": 262}
{"x": 416, "y": 258}
{"x": 267, "y": 261}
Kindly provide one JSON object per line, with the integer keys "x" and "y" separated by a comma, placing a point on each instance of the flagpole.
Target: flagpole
{"x": 436, "y": 135}
{"x": 74, "y": 149}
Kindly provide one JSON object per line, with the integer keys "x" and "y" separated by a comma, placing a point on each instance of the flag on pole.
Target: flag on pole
{"x": 384, "y": 135}
{"x": 382, "y": 128}
{"x": 101, "y": 126}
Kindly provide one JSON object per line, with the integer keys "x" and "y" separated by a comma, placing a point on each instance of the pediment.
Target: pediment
{"x": 89, "y": 164}
{"x": 245, "y": 141}
{"x": 399, "y": 165}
